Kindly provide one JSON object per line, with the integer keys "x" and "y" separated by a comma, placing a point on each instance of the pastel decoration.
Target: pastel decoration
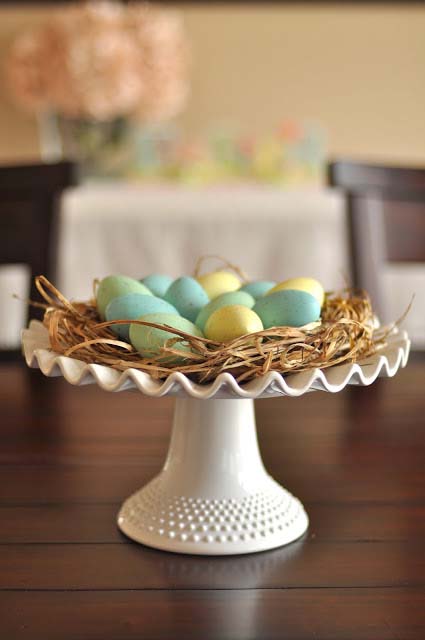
{"x": 157, "y": 283}
{"x": 234, "y": 321}
{"x": 114, "y": 287}
{"x": 131, "y": 307}
{"x": 224, "y": 300}
{"x": 258, "y": 288}
{"x": 287, "y": 308}
{"x": 218, "y": 282}
{"x": 310, "y": 285}
{"x": 187, "y": 296}
{"x": 148, "y": 341}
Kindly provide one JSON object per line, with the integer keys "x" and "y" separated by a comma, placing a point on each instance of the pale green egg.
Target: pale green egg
{"x": 258, "y": 288}
{"x": 226, "y": 299}
{"x": 287, "y": 308}
{"x": 187, "y": 296}
{"x": 234, "y": 321}
{"x": 157, "y": 283}
{"x": 148, "y": 341}
{"x": 131, "y": 307}
{"x": 114, "y": 287}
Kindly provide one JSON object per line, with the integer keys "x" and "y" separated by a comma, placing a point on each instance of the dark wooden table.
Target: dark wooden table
{"x": 70, "y": 455}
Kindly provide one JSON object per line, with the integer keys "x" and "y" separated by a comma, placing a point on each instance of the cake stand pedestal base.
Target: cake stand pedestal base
{"x": 213, "y": 496}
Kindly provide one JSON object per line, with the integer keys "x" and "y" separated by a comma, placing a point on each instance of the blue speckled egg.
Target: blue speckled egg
{"x": 157, "y": 283}
{"x": 287, "y": 308}
{"x": 258, "y": 288}
{"x": 131, "y": 307}
{"x": 187, "y": 296}
{"x": 310, "y": 285}
{"x": 114, "y": 287}
{"x": 148, "y": 341}
{"x": 226, "y": 299}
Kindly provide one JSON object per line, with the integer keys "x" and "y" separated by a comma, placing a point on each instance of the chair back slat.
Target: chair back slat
{"x": 29, "y": 207}
{"x": 386, "y": 220}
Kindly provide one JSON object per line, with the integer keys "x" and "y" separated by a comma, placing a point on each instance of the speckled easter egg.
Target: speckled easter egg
{"x": 287, "y": 308}
{"x": 114, "y": 287}
{"x": 218, "y": 282}
{"x": 228, "y": 323}
{"x": 131, "y": 307}
{"x": 310, "y": 285}
{"x": 226, "y": 299}
{"x": 149, "y": 340}
{"x": 187, "y": 296}
{"x": 157, "y": 283}
{"x": 258, "y": 288}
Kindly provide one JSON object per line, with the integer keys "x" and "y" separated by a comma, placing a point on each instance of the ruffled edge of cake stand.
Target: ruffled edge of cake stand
{"x": 385, "y": 363}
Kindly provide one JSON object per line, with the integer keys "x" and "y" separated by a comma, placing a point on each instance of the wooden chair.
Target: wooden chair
{"x": 386, "y": 220}
{"x": 29, "y": 205}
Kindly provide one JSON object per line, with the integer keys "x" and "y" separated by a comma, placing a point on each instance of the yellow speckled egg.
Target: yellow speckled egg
{"x": 310, "y": 285}
{"x": 233, "y": 321}
{"x": 218, "y": 282}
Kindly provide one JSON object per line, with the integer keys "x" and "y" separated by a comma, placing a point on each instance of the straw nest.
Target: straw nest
{"x": 346, "y": 333}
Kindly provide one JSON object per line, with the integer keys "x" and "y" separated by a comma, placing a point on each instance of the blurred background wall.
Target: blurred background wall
{"x": 356, "y": 69}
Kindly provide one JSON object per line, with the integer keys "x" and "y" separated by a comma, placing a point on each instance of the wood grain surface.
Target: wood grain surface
{"x": 69, "y": 456}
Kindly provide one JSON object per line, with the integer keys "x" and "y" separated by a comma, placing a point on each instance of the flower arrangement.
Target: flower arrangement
{"x": 104, "y": 79}
{"x": 102, "y": 62}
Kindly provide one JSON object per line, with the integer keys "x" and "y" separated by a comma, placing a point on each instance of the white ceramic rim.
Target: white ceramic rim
{"x": 385, "y": 363}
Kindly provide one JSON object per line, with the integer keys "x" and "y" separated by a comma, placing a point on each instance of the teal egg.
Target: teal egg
{"x": 157, "y": 283}
{"x": 187, "y": 295}
{"x": 258, "y": 288}
{"x": 114, "y": 287}
{"x": 230, "y": 298}
{"x": 131, "y": 307}
{"x": 149, "y": 340}
{"x": 287, "y": 308}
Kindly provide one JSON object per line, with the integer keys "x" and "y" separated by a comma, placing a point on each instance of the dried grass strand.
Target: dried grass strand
{"x": 224, "y": 263}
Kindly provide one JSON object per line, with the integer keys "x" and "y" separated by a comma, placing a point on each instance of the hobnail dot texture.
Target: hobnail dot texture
{"x": 200, "y": 520}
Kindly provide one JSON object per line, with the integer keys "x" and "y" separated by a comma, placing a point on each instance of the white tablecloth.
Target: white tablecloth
{"x": 269, "y": 232}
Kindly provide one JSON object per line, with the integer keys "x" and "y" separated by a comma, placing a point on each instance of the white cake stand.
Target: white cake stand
{"x": 213, "y": 495}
